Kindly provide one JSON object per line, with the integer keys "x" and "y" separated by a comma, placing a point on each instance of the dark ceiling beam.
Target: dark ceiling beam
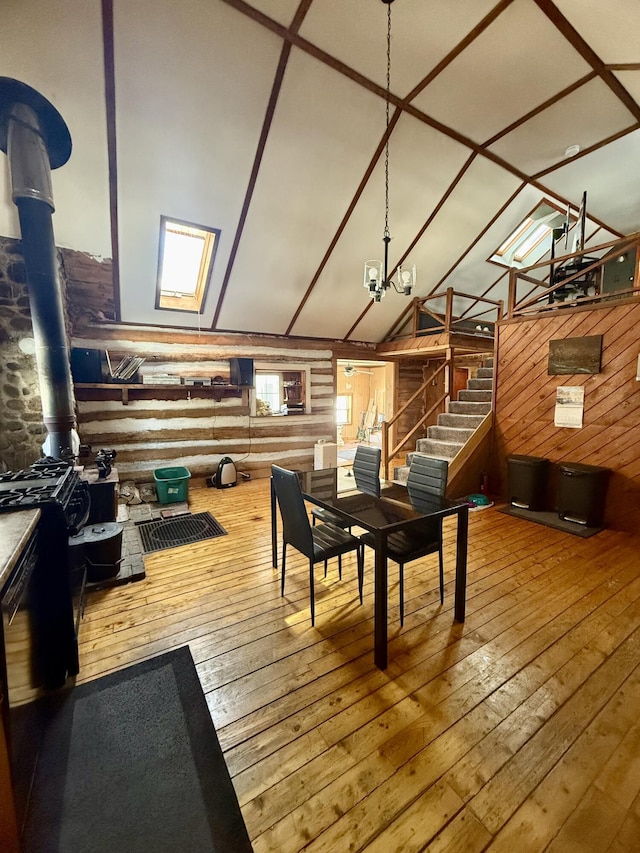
{"x": 585, "y": 151}
{"x": 430, "y": 219}
{"x": 453, "y": 54}
{"x": 357, "y": 322}
{"x": 542, "y": 107}
{"x": 302, "y": 10}
{"x": 112, "y": 153}
{"x": 402, "y": 104}
{"x": 345, "y": 219}
{"x": 477, "y": 239}
{"x": 588, "y": 54}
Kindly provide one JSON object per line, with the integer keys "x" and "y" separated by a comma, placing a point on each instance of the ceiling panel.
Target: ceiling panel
{"x": 318, "y": 150}
{"x": 506, "y": 72}
{"x": 355, "y": 32}
{"x": 610, "y": 28}
{"x": 187, "y": 132}
{"x": 478, "y": 196}
{"x": 64, "y": 46}
{"x": 193, "y": 82}
{"x": 542, "y": 141}
{"x": 422, "y": 164}
{"x": 613, "y": 187}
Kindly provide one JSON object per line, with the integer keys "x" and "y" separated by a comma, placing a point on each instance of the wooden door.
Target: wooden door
{"x": 460, "y": 378}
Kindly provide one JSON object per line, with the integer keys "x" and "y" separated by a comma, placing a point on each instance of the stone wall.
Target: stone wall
{"x": 21, "y": 427}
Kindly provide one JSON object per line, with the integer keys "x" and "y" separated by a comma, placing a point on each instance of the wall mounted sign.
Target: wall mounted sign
{"x": 575, "y": 355}
{"x": 569, "y": 406}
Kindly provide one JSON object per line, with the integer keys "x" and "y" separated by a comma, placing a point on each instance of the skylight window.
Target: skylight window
{"x": 531, "y": 240}
{"x": 516, "y": 235}
{"x": 185, "y": 262}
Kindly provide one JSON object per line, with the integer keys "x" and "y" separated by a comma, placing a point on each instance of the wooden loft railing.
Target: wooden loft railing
{"x": 472, "y": 311}
{"x": 572, "y": 280}
{"x": 490, "y": 312}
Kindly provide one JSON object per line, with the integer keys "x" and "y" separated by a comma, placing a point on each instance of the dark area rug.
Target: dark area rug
{"x": 131, "y": 762}
{"x": 551, "y": 519}
{"x": 162, "y": 533}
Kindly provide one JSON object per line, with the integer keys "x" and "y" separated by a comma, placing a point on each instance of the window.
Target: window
{"x": 531, "y": 240}
{"x": 185, "y": 262}
{"x": 343, "y": 409}
{"x": 280, "y": 391}
{"x": 268, "y": 390}
{"x": 517, "y": 235}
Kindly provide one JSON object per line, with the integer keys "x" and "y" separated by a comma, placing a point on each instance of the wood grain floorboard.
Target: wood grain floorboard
{"x": 515, "y": 731}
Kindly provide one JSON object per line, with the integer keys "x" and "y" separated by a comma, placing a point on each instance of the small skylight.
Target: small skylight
{"x": 516, "y": 235}
{"x": 531, "y": 240}
{"x": 185, "y": 262}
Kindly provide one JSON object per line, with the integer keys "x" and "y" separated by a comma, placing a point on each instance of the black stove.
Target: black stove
{"x": 45, "y": 588}
{"x": 49, "y": 485}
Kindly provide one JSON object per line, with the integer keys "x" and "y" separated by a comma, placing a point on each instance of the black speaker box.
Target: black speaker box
{"x": 241, "y": 371}
{"x": 86, "y": 365}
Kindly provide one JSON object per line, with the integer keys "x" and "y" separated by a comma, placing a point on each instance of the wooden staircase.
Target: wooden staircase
{"x": 456, "y": 428}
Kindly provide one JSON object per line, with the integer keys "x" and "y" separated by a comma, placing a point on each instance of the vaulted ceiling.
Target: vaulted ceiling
{"x": 266, "y": 119}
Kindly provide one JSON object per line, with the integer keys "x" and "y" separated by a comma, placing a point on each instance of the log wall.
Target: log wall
{"x": 197, "y": 427}
{"x": 526, "y": 398}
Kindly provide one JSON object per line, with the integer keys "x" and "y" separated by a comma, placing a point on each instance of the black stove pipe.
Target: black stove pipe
{"x": 36, "y": 139}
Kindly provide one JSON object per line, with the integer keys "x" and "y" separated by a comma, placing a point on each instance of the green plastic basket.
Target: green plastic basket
{"x": 172, "y": 484}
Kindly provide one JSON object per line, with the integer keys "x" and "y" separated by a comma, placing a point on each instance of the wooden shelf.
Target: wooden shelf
{"x": 124, "y": 391}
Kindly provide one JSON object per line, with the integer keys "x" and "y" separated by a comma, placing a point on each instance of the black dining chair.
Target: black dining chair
{"x": 366, "y": 472}
{"x": 427, "y": 477}
{"x": 319, "y": 543}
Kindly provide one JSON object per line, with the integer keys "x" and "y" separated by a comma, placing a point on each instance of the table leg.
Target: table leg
{"x": 274, "y": 528}
{"x": 461, "y": 564}
{"x": 381, "y": 593}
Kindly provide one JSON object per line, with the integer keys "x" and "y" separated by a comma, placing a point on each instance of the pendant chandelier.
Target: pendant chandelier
{"x": 376, "y": 273}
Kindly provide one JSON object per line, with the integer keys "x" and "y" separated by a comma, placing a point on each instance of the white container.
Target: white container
{"x": 325, "y": 455}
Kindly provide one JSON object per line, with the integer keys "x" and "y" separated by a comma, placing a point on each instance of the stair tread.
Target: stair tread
{"x": 464, "y": 417}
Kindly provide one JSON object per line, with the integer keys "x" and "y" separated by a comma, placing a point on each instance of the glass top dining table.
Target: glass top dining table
{"x": 391, "y": 510}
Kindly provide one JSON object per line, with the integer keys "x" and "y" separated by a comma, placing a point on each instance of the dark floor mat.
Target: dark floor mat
{"x": 131, "y": 762}
{"x": 551, "y": 519}
{"x": 162, "y": 533}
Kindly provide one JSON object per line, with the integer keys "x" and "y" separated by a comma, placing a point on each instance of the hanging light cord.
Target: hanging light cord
{"x": 387, "y": 235}
{"x": 386, "y": 147}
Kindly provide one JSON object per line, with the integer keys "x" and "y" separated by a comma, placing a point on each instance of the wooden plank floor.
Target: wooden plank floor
{"x": 519, "y": 731}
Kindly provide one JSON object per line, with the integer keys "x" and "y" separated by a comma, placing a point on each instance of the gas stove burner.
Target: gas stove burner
{"x": 26, "y": 494}
{"x": 48, "y": 463}
{"x": 29, "y": 474}
{"x": 46, "y": 468}
{"x": 46, "y": 486}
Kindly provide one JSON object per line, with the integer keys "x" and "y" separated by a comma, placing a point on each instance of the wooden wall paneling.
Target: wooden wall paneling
{"x": 410, "y": 378}
{"x": 525, "y": 402}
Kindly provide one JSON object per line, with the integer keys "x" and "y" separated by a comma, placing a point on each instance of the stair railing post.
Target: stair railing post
{"x": 448, "y": 377}
{"x": 511, "y": 299}
{"x": 448, "y": 313}
{"x": 416, "y": 317}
